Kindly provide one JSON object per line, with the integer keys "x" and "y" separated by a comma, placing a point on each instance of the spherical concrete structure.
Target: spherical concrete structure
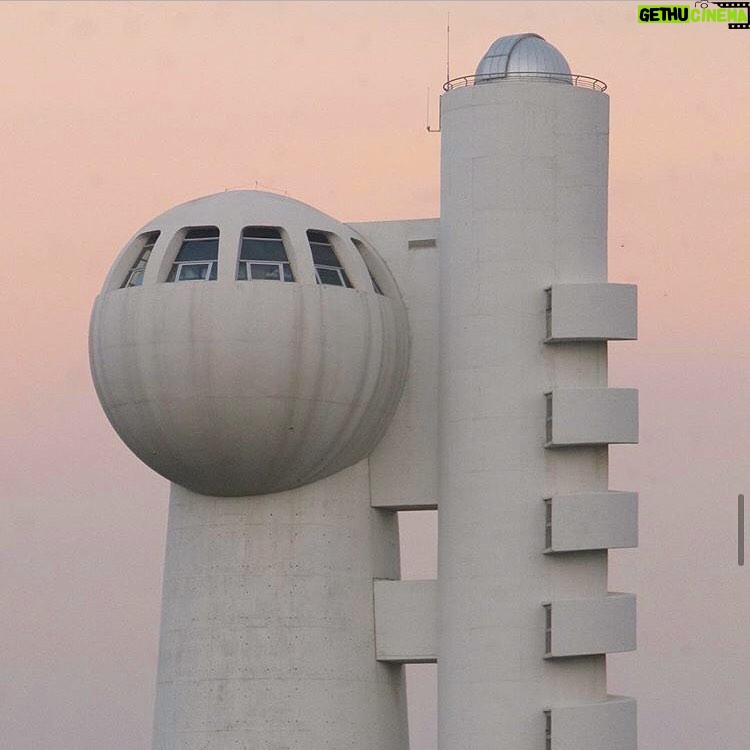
{"x": 522, "y": 56}
{"x": 246, "y": 343}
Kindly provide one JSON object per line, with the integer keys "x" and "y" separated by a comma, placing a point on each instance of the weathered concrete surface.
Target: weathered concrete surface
{"x": 267, "y": 634}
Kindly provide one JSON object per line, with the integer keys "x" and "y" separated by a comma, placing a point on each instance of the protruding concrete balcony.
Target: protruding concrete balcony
{"x": 591, "y": 520}
{"x": 591, "y": 416}
{"x": 580, "y": 627}
{"x": 406, "y": 621}
{"x": 592, "y": 312}
{"x": 610, "y": 724}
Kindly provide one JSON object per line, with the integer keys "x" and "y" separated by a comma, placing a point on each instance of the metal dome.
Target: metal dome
{"x": 522, "y": 56}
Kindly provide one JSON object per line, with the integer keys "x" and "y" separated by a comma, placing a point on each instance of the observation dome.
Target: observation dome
{"x": 522, "y": 56}
{"x": 246, "y": 343}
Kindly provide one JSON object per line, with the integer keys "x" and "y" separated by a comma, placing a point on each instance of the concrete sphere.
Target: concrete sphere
{"x": 242, "y": 387}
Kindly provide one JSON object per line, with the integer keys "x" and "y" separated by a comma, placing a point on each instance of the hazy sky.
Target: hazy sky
{"x": 113, "y": 112}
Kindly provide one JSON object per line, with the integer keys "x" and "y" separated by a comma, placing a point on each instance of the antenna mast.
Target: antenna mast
{"x": 448, "y": 48}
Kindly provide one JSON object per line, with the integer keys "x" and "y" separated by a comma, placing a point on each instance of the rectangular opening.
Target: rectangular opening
{"x": 548, "y": 628}
{"x": 548, "y": 730}
{"x": 548, "y": 313}
{"x": 548, "y": 523}
{"x": 548, "y": 422}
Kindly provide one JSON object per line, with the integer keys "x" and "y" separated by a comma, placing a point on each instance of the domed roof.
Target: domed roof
{"x": 522, "y": 55}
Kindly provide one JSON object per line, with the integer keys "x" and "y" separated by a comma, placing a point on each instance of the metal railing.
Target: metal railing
{"x": 586, "y": 82}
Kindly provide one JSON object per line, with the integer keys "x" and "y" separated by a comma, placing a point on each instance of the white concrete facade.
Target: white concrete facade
{"x": 464, "y": 370}
{"x": 523, "y": 210}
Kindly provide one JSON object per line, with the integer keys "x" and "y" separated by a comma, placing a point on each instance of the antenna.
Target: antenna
{"x": 448, "y": 48}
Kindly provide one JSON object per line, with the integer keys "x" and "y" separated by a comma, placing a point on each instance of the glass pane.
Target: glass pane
{"x": 193, "y": 272}
{"x": 329, "y": 276}
{"x": 198, "y": 250}
{"x": 288, "y": 276}
{"x": 323, "y": 255}
{"x": 136, "y": 278}
{"x": 259, "y": 249}
{"x": 201, "y": 233}
{"x": 314, "y": 236}
{"x": 264, "y": 271}
{"x": 214, "y": 269}
{"x": 242, "y": 272}
{"x": 262, "y": 232}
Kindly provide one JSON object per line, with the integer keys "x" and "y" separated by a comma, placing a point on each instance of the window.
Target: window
{"x": 548, "y": 730}
{"x": 198, "y": 258}
{"x": 328, "y": 269}
{"x": 363, "y": 252}
{"x": 548, "y": 312}
{"x": 263, "y": 255}
{"x": 548, "y": 421}
{"x": 548, "y": 524}
{"x": 548, "y": 628}
{"x": 135, "y": 274}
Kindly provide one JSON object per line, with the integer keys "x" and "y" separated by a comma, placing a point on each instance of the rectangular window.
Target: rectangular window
{"x": 328, "y": 269}
{"x": 548, "y": 421}
{"x": 548, "y": 730}
{"x": 548, "y": 524}
{"x": 198, "y": 257}
{"x": 263, "y": 256}
{"x": 135, "y": 274}
{"x": 548, "y": 628}
{"x": 363, "y": 252}
{"x": 548, "y": 313}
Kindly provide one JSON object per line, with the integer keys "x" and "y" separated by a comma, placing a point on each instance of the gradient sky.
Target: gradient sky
{"x": 113, "y": 112}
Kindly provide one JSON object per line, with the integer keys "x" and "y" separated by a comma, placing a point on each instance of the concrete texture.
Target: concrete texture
{"x": 403, "y": 465}
{"x": 406, "y": 621}
{"x": 267, "y": 637}
{"x": 590, "y": 416}
{"x": 593, "y": 520}
{"x": 593, "y": 312}
{"x": 603, "y": 625}
{"x": 609, "y": 724}
{"x": 248, "y": 387}
{"x": 523, "y": 208}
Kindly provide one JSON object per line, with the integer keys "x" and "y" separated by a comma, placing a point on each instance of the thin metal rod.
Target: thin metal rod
{"x": 740, "y": 529}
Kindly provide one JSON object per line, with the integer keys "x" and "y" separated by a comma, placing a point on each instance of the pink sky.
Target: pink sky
{"x": 113, "y": 112}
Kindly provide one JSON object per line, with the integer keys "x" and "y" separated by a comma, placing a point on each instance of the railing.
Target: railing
{"x": 586, "y": 82}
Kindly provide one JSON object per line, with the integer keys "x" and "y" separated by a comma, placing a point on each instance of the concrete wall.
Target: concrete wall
{"x": 267, "y": 637}
{"x": 581, "y": 312}
{"x": 592, "y": 520}
{"x": 609, "y": 724}
{"x": 403, "y": 466}
{"x": 406, "y": 621}
{"x": 523, "y": 208}
{"x": 602, "y": 625}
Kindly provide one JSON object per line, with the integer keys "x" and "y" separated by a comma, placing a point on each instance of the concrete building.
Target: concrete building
{"x": 300, "y": 380}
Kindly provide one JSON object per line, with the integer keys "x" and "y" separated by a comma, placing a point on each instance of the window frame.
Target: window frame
{"x": 339, "y": 270}
{"x": 144, "y": 255}
{"x": 284, "y": 266}
{"x": 176, "y": 266}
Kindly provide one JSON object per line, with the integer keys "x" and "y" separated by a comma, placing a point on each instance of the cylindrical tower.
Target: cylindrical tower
{"x": 252, "y": 350}
{"x": 523, "y": 209}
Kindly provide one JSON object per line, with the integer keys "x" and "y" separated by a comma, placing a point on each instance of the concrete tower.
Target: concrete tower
{"x": 525, "y": 618}
{"x": 298, "y": 387}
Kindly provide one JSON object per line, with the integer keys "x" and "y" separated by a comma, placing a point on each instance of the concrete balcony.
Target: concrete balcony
{"x": 592, "y": 312}
{"x": 610, "y": 724}
{"x": 591, "y": 416}
{"x": 591, "y": 520}
{"x": 406, "y": 621}
{"x": 580, "y": 627}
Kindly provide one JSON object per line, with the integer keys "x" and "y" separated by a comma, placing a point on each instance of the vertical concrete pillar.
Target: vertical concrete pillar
{"x": 523, "y": 206}
{"x": 267, "y": 634}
